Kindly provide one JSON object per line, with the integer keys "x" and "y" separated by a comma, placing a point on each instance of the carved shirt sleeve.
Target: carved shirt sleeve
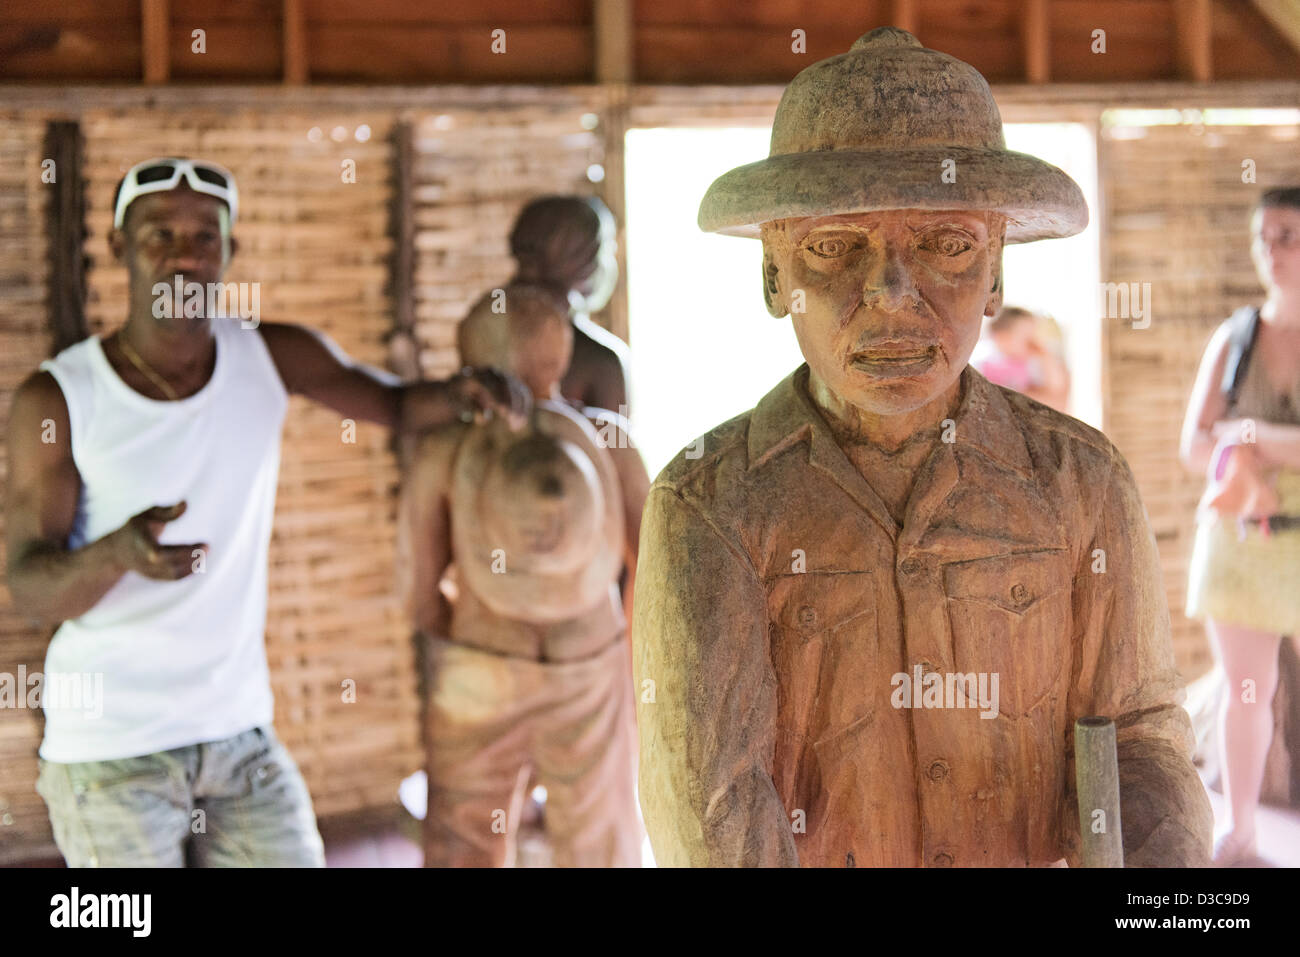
{"x": 1124, "y": 669}
{"x": 706, "y": 695}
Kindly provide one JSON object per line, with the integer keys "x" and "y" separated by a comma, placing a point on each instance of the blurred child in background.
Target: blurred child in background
{"x": 1022, "y": 350}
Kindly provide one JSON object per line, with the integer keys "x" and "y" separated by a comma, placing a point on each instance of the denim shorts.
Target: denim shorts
{"x": 238, "y": 802}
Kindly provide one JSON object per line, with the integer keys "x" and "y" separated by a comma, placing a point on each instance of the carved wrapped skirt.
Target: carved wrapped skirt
{"x": 1254, "y": 581}
{"x": 490, "y": 719}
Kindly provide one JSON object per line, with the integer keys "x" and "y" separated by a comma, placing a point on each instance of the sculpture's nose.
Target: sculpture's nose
{"x": 888, "y": 283}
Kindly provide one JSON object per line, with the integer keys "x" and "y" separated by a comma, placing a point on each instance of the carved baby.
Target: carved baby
{"x": 527, "y": 672}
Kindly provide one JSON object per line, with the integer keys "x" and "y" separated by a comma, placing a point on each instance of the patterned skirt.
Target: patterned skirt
{"x": 1253, "y": 581}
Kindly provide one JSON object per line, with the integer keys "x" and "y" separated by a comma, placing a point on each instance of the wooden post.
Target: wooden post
{"x": 403, "y": 350}
{"x": 905, "y": 16}
{"x": 613, "y": 190}
{"x": 1284, "y": 15}
{"x": 1194, "y": 23}
{"x": 65, "y": 221}
{"x": 612, "y": 23}
{"x": 1037, "y": 37}
{"x": 155, "y": 21}
{"x": 295, "y": 43}
{"x": 1096, "y": 769}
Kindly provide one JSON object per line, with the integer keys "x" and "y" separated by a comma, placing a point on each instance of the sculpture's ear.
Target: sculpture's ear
{"x": 776, "y": 306}
{"x": 994, "y": 304}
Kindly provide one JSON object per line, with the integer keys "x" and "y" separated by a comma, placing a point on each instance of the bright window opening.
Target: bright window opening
{"x": 704, "y": 348}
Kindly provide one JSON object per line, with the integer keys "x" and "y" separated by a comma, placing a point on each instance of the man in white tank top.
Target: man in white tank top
{"x": 142, "y": 478}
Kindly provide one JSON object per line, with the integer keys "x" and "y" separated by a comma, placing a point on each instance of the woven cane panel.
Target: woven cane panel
{"x": 1177, "y": 217}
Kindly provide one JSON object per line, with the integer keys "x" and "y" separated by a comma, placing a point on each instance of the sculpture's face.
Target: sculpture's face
{"x": 540, "y": 354}
{"x": 886, "y": 305}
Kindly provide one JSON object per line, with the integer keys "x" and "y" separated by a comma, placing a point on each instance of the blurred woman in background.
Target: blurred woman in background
{"x": 1243, "y": 425}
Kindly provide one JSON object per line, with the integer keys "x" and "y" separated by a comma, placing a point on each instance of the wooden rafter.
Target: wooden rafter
{"x": 612, "y": 24}
{"x": 295, "y": 43}
{"x": 155, "y": 20}
{"x": 905, "y": 15}
{"x": 1193, "y": 20}
{"x": 1037, "y": 37}
{"x": 1284, "y": 15}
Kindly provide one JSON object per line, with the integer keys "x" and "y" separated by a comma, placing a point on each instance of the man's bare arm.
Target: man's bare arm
{"x": 426, "y": 527}
{"x": 49, "y": 582}
{"x": 312, "y": 365}
{"x": 1206, "y": 406}
{"x": 1275, "y": 443}
{"x": 598, "y": 371}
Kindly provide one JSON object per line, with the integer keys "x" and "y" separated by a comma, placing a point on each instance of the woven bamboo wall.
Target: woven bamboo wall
{"x": 24, "y": 342}
{"x": 1177, "y": 216}
{"x": 475, "y": 167}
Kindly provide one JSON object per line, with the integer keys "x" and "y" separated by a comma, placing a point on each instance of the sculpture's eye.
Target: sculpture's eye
{"x": 947, "y": 243}
{"x": 831, "y": 246}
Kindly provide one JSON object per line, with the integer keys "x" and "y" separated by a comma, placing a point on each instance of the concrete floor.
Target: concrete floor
{"x": 1279, "y": 842}
{"x": 392, "y": 841}
{"x": 1277, "y": 832}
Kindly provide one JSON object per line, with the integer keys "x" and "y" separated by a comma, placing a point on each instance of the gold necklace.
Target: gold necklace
{"x": 140, "y": 364}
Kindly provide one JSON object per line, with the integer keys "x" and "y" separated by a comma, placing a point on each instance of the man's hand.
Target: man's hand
{"x": 136, "y": 546}
{"x": 310, "y": 364}
{"x": 483, "y": 392}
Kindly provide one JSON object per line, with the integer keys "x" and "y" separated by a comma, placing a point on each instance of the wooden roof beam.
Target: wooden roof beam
{"x": 1193, "y": 23}
{"x": 612, "y": 27}
{"x": 1284, "y": 15}
{"x": 155, "y": 21}
{"x": 295, "y": 43}
{"x": 906, "y": 16}
{"x": 1037, "y": 38}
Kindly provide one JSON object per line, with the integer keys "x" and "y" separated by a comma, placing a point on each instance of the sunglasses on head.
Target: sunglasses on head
{"x": 161, "y": 175}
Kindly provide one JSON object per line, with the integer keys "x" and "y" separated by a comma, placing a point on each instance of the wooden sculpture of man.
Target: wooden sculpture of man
{"x": 527, "y": 672}
{"x": 870, "y": 609}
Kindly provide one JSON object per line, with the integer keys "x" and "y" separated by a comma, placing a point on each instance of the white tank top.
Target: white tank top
{"x": 180, "y": 662}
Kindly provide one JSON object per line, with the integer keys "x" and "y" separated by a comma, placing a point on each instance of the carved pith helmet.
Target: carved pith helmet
{"x": 871, "y": 129}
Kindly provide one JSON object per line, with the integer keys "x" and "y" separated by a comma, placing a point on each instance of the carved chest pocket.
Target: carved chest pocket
{"x": 1010, "y": 616}
{"x": 822, "y": 627}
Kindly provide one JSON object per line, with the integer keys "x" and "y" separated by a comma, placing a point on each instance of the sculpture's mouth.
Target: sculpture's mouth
{"x": 890, "y": 363}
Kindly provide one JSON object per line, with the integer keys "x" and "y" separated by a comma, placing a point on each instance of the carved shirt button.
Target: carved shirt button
{"x": 1019, "y": 594}
{"x": 911, "y": 566}
{"x": 938, "y": 771}
{"x": 807, "y": 616}
{"x": 943, "y": 860}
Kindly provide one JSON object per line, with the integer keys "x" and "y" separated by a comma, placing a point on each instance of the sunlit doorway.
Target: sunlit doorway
{"x": 704, "y": 348}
